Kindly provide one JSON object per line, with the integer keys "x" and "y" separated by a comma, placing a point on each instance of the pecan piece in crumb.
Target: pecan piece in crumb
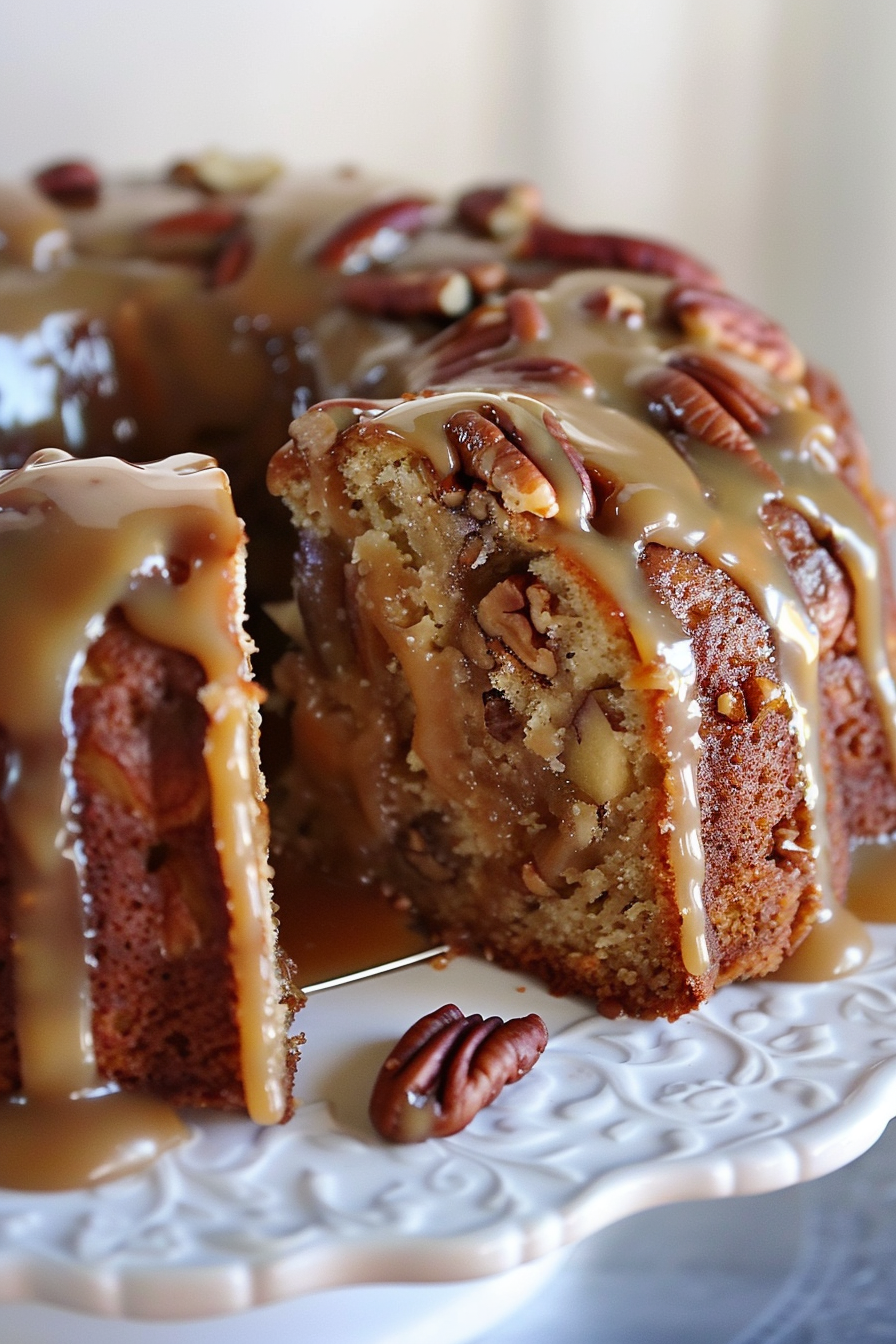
{"x": 510, "y": 611}
{"x": 447, "y": 1068}
{"x": 500, "y": 211}
{"x": 310, "y": 438}
{"x": 488, "y": 455}
{"x": 72, "y": 184}
{"x": 707, "y": 314}
{"x": 547, "y": 242}
{"x": 442, "y": 293}
{"x": 377, "y": 233}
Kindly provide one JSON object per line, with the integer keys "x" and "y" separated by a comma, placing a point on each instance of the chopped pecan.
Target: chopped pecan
{"x": 737, "y": 393}
{"x": 442, "y": 293}
{"x": 615, "y": 303}
{"x": 376, "y": 233}
{"x": 500, "y": 211}
{"x": 707, "y": 314}
{"x": 486, "y": 276}
{"x": 506, "y": 613}
{"x": 616, "y": 251}
{"x": 217, "y": 172}
{"x": 763, "y": 696}
{"x": 528, "y": 320}
{"x": 488, "y": 455}
{"x": 447, "y": 1068}
{"x": 73, "y": 183}
{"x": 311, "y": 437}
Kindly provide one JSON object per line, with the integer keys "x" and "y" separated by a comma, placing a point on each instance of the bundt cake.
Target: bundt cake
{"x": 579, "y": 609}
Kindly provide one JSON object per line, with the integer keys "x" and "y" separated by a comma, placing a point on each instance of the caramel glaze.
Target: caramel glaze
{"x": 682, "y": 492}
{"x": 162, "y": 545}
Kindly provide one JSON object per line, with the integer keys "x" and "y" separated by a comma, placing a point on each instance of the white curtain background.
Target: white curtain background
{"x": 758, "y": 133}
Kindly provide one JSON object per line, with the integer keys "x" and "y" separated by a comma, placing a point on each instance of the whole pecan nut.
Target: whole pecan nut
{"x": 447, "y": 1068}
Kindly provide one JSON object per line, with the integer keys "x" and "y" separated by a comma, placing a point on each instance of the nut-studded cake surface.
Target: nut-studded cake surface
{"x": 601, "y": 581}
{"x": 590, "y": 658}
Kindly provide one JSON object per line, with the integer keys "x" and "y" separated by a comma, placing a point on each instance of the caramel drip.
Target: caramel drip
{"x": 707, "y": 501}
{"x": 161, "y": 543}
{"x": 872, "y": 882}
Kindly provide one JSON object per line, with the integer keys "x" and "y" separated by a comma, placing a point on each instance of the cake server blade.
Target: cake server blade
{"x": 379, "y": 969}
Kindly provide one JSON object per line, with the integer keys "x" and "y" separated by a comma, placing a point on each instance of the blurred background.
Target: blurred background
{"x": 758, "y": 133}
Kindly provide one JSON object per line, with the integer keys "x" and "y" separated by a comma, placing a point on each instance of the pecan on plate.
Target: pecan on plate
{"x": 488, "y": 455}
{"x": 707, "y": 314}
{"x": 447, "y": 1068}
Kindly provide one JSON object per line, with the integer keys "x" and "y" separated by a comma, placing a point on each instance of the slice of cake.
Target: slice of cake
{"x": 137, "y": 944}
{"x": 594, "y": 663}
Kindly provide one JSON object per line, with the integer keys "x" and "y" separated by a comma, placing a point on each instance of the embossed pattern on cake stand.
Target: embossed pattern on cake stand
{"x": 768, "y": 1084}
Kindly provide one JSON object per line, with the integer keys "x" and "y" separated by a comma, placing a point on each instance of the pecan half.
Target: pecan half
{"x": 543, "y": 369}
{"x": 447, "y": 1068}
{"x": 555, "y": 428}
{"x": 707, "y": 314}
{"x": 376, "y": 233}
{"x": 218, "y": 173}
{"x": 500, "y": 211}
{"x": 509, "y": 612}
{"x": 547, "y": 242}
{"x": 528, "y": 320}
{"x": 738, "y": 394}
{"x": 466, "y": 344}
{"x": 680, "y": 402}
{"x": 442, "y": 293}
{"x": 615, "y": 303}
{"x": 71, "y": 184}
{"x": 233, "y": 260}
{"x": 192, "y": 235}
{"x": 488, "y": 455}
